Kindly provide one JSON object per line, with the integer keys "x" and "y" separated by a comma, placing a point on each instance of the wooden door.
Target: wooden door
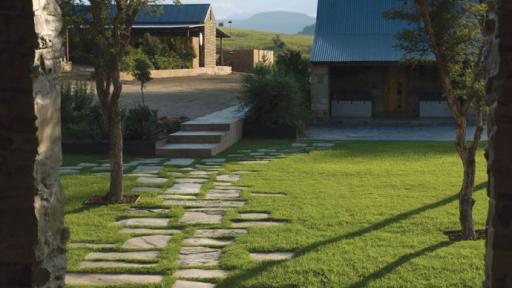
{"x": 396, "y": 91}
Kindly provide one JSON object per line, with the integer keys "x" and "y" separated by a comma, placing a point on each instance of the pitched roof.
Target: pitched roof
{"x": 356, "y": 31}
{"x": 174, "y": 15}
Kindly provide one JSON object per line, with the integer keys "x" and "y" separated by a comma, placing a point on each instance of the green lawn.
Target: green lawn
{"x": 248, "y": 39}
{"x": 362, "y": 214}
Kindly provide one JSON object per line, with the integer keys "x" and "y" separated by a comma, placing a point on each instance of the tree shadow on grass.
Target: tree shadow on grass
{"x": 399, "y": 262}
{"x": 234, "y": 280}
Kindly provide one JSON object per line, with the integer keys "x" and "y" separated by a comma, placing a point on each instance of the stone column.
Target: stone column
{"x": 32, "y": 233}
{"x": 320, "y": 91}
{"x": 499, "y": 61}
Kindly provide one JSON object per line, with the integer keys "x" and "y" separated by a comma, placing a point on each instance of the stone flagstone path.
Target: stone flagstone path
{"x": 199, "y": 256}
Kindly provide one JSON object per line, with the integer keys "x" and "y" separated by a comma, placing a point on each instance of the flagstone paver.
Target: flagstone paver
{"x": 176, "y": 174}
{"x": 277, "y": 256}
{"x": 149, "y": 222}
{"x": 113, "y": 264}
{"x": 177, "y": 197}
{"x": 191, "y": 180}
{"x": 200, "y": 274}
{"x": 147, "y": 211}
{"x": 144, "y": 231}
{"x": 180, "y": 162}
{"x": 223, "y": 194}
{"x": 148, "y": 169}
{"x": 323, "y": 145}
{"x": 148, "y": 180}
{"x": 111, "y": 279}
{"x": 191, "y": 284}
{"x": 247, "y": 224}
{"x": 87, "y": 165}
{"x": 219, "y": 233}
{"x": 185, "y": 189}
{"x": 204, "y": 203}
{"x": 254, "y": 216}
{"x": 206, "y": 242}
{"x": 147, "y": 242}
{"x": 146, "y": 189}
{"x": 199, "y": 257}
{"x": 213, "y": 217}
{"x": 228, "y": 178}
{"x": 136, "y": 255}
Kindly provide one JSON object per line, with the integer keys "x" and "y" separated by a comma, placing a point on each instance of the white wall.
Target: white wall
{"x": 434, "y": 109}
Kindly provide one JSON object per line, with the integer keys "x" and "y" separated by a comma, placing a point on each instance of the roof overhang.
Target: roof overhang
{"x": 222, "y": 34}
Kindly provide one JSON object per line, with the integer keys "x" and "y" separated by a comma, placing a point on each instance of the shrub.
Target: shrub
{"x": 141, "y": 123}
{"x": 142, "y": 73}
{"x": 81, "y": 115}
{"x": 294, "y": 64}
{"x": 128, "y": 62}
{"x": 274, "y": 99}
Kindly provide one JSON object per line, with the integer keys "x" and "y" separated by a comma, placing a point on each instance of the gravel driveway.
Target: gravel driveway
{"x": 191, "y": 97}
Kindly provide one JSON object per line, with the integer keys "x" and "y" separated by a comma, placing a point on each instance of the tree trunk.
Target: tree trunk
{"x": 142, "y": 93}
{"x": 115, "y": 193}
{"x": 466, "y": 201}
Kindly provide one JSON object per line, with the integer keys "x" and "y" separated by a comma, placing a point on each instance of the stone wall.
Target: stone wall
{"x": 246, "y": 60}
{"x": 499, "y": 63}
{"x": 210, "y": 40}
{"x": 32, "y": 253}
{"x": 320, "y": 97}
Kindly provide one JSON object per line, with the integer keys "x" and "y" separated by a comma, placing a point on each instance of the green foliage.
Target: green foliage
{"x": 142, "y": 72}
{"x": 274, "y": 98}
{"x": 81, "y": 115}
{"x": 128, "y": 62}
{"x": 141, "y": 123}
{"x": 279, "y": 45}
{"x": 458, "y": 32}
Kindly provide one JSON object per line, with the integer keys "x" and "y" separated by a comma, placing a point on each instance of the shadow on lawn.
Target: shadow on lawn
{"x": 238, "y": 278}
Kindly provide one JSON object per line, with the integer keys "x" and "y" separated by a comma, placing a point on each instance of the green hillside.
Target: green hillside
{"x": 248, "y": 39}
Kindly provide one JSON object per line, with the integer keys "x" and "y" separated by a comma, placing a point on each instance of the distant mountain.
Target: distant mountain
{"x": 308, "y": 30}
{"x": 276, "y": 22}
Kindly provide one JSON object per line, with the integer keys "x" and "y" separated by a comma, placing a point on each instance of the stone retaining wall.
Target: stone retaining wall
{"x": 159, "y": 74}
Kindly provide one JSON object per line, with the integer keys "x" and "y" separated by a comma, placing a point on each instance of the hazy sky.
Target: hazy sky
{"x": 240, "y": 8}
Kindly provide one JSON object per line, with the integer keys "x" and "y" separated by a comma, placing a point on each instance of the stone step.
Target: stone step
{"x": 223, "y": 127}
{"x": 196, "y": 137}
{"x": 193, "y": 150}
{"x": 111, "y": 279}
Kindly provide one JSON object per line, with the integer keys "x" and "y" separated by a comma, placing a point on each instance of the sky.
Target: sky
{"x": 245, "y": 8}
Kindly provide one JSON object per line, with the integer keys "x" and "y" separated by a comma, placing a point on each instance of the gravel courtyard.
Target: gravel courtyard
{"x": 191, "y": 97}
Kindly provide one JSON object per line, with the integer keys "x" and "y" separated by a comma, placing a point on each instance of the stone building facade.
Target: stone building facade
{"x": 209, "y": 49}
{"x": 32, "y": 250}
{"x": 499, "y": 60}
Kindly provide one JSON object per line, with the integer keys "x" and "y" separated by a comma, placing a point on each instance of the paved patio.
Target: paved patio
{"x": 387, "y": 132}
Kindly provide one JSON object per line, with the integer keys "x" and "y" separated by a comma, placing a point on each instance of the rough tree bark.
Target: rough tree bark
{"x": 460, "y": 112}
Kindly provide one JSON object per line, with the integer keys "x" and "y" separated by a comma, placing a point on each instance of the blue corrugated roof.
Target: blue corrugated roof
{"x": 356, "y": 31}
{"x": 174, "y": 15}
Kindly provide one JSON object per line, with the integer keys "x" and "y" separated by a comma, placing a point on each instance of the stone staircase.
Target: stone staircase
{"x": 206, "y": 136}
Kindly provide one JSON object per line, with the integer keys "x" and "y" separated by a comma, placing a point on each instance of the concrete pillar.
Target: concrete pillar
{"x": 32, "y": 233}
{"x": 320, "y": 87}
{"x": 499, "y": 243}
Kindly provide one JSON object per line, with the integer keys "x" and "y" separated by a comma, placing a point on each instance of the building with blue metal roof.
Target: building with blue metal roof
{"x": 357, "y": 69}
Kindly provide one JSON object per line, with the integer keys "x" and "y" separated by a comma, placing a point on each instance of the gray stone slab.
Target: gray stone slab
{"x": 277, "y": 256}
{"x": 144, "y": 231}
{"x": 215, "y": 160}
{"x": 205, "y": 203}
{"x": 185, "y": 189}
{"x": 148, "y": 242}
{"x": 214, "y": 217}
{"x": 87, "y": 165}
{"x": 299, "y": 145}
{"x": 228, "y": 178}
{"x": 145, "y": 222}
{"x": 192, "y": 284}
{"x": 223, "y": 194}
{"x": 146, "y": 189}
{"x": 214, "y": 209}
{"x": 141, "y": 175}
{"x": 113, "y": 264}
{"x": 147, "y": 211}
{"x": 182, "y": 162}
{"x": 219, "y": 233}
{"x": 123, "y": 256}
{"x": 257, "y": 154}
{"x": 247, "y": 224}
{"x": 201, "y": 173}
{"x": 206, "y": 242}
{"x": 199, "y": 257}
{"x": 229, "y": 187}
{"x": 91, "y": 245}
{"x": 254, "y": 216}
{"x": 148, "y": 180}
{"x": 111, "y": 279}
{"x": 176, "y": 174}
{"x": 148, "y": 169}
{"x": 191, "y": 180}
{"x": 200, "y": 274}
{"x": 254, "y": 162}
{"x": 323, "y": 145}
{"x": 177, "y": 197}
